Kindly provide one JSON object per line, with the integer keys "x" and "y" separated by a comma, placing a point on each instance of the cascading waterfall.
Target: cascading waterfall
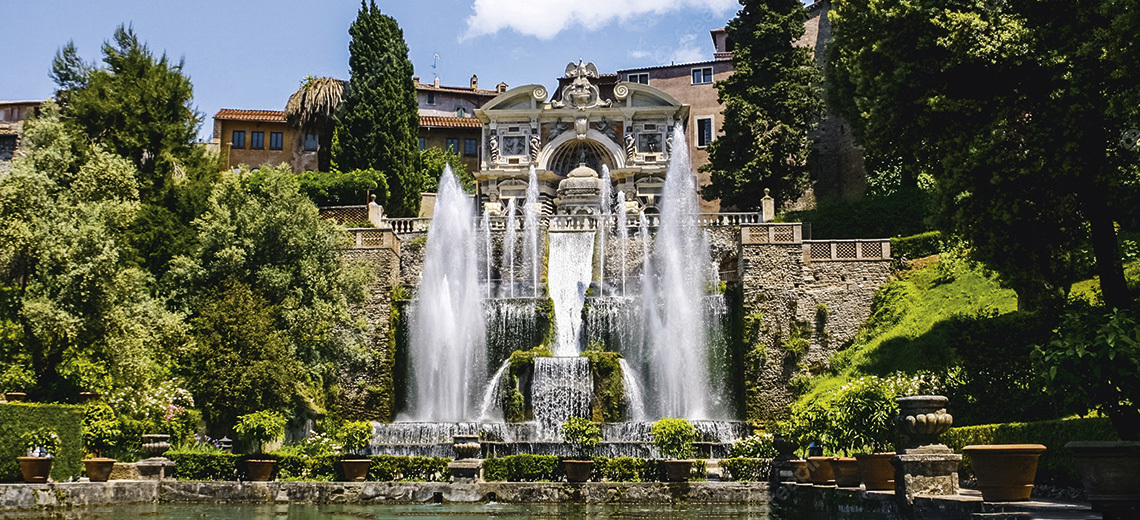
{"x": 622, "y": 235}
{"x": 447, "y": 350}
{"x": 674, "y": 303}
{"x": 507, "y": 273}
{"x": 530, "y": 230}
{"x": 510, "y": 322}
{"x": 573, "y": 253}
{"x": 633, "y": 392}
{"x": 489, "y": 409}
{"x": 562, "y": 389}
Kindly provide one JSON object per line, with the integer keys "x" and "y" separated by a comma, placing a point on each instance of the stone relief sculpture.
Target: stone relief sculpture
{"x": 604, "y": 127}
{"x": 581, "y": 93}
{"x": 493, "y": 207}
{"x": 630, "y": 146}
{"x": 535, "y": 147}
{"x": 556, "y": 129}
{"x": 632, "y": 207}
{"x": 493, "y": 147}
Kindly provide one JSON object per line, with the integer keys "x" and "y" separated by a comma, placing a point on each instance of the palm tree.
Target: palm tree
{"x": 310, "y": 110}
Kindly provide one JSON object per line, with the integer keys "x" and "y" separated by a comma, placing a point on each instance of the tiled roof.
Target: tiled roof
{"x": 458, "y": 90}
{"x": 272, "y": 116}
{"x": 450, "y": 122}
{"x": 672, "y": 66}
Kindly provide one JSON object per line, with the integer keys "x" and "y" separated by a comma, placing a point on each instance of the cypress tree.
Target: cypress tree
{"x": 771, "y": 102}
{"x": 378, "y": 124}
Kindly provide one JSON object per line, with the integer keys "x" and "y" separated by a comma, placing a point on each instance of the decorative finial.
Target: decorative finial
{"x": 767, "y": 191}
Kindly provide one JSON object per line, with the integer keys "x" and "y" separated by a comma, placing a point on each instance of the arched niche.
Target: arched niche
{"x": 564, "y": 153}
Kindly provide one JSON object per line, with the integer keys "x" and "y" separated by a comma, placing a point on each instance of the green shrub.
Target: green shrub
{"x": 522, "y": 468}
{"x": 195, "y": 465}
{"x": 674, "y": 437}
{"x": 582, "y": 435}
{"x": 754, "y": 447}
{"x": 66, "y": 421}
{"x": 743, "y": 469}
{"x": 308, "y": 469}
{"x": 916, "y": 246}
{"x": 40, "y": 442}
{"x": 355, "y": 436}
{"x": 388, "y": 468}
{"x": 625, "y": 469}
{"x": 1056, "y": 464}
{"x": 315, "y": 445}
{"x": 261, "y": 427}
{"x": 901, "y": 213}
{"x": 100, "y": 428}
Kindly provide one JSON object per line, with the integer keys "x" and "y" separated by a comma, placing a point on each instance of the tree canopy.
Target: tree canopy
{"x": 771, "y": 102}
{"x": 378, "y": 123}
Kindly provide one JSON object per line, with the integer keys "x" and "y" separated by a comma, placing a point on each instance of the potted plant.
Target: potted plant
{"x": 1005, "y": 471}
{"x": 674, "y": 438}
{"x": 865, "y": 415}
{"x": 41, "y": 445}
{"x": 584, "y": 437}
{"x": 1093, "y": 360}
{"x": 100, "y": 431}
{"x": 259, "y": 428}
{"x": 355, "y": 436}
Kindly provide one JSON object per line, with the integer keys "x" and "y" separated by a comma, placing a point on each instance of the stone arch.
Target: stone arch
{"x": 566, "y": 148}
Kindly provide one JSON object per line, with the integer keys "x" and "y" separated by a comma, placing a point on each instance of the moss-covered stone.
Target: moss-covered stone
{"x": 514, "y": 402}
{"x": 609, "y": 389}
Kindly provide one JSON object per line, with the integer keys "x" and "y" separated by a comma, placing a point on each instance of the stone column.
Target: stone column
{"x": 926, "y": 467}
{"x": 767, "y": 207}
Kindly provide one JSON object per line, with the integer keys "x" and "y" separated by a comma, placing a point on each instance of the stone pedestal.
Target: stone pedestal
{"x": 929, "y": 470}
{"x": 465, "y": 471}
{"x": 155, "y": 468}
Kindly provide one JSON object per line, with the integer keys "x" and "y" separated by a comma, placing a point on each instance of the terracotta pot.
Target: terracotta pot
{"x": 98, "y": 469}
{"x": 876, "y": 471}
{"x": 260, "y": 470}
{"x": 1005, "y": 472}
{"x": 821, "y": 472}
{"x": 678, "y": 470}
{"x": 846, "y": 470}
{"x": 800, "y": 470}
{"x": 355, "y": 470}
{"x": 578, "y": 470}
{"x": 35, "y": 470}
{"x": 1110, "y": 472}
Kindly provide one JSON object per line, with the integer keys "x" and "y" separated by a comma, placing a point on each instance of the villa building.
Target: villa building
{"x": 256, "y": 137}
{"x": 12, "y": 116}
{"x": 447, "y": 117}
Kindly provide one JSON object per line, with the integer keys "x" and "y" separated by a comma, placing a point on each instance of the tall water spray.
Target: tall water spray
{"x": 485, "y": 223}
{"x": 507, "y": 273}
{"x": 606, "y": 203}
{"x": 675, "y": 309}
{"x": 530, "y": 229}
{"x": 622, "y": 235}
{"x": 447, "y": 341}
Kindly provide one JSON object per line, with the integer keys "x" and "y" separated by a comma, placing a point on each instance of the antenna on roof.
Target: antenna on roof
{"x": 435, "y": 66}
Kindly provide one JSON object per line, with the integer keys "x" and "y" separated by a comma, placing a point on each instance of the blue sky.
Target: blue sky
{"x": 253, "y": 54}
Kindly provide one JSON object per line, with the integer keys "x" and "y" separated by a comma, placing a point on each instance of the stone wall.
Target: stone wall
{"x": 366, "y": 381}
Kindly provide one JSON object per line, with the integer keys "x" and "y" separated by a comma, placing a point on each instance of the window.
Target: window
{"x": 275, "y": 140}
{"x": 423, "y": 143}
{"x": 460, "y": 112}
{"x": 256, "y": 140}
{"x": 702, "y": 76}
{"x": 642, "y": 78}
{"x": 704, "y": 132}
{"x": 470, "y": 147}
{"x": 453, "y": 144}
{"x": 311, "y": 142}
{"x": 239, "y": 139}
{"x": 431, "y": 98}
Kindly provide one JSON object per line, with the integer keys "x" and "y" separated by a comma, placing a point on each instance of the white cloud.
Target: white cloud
{"x": 544, "y": 19}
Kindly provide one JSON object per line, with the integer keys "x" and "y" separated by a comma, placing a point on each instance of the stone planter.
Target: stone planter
{"x": 260, "y": 470}
{"x": 15, "y": 397}
{"x": 578, "y": 470}
{"x": 35, "y": 470}
{"x": 923, "y": 419}
{"x": 876, "y": 471}
{"x": 1110, "y": 472}
{"x": 98, "y": 469}
{"x": 678, "y": 470}
{"x": 800, "y": 471}
{"x": 821, "y": 472}
{"x": 355, "y": 470}
{"x": 846, "y": 470}
{"x": 155, "y": 444}
{"x": 466, "y": 446}
{"x": 1005, "y": 472}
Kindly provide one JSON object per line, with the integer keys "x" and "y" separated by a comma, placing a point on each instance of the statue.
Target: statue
{"x": 632, "y": 207}
{"x": 493, "y": 148}
{"x": 535, "y": 147}
{"x": 581, "y": 93}
{"x": 556, "y": 130}
{"x": 493, "y": 207}
{"x": 630, "y": 147}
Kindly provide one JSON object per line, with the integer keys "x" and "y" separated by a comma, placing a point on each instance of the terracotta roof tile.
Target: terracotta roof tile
{"x": 450, "y": 122}
{"x": 273, "y": 116}
{"x": 458, "y": 90}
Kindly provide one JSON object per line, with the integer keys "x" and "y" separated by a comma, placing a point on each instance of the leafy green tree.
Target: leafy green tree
{"x": 1017, "y": 109}
{"x": 378, "y": 123}
{"x": 433, "y": 159}
{"x": 771, "y": 102}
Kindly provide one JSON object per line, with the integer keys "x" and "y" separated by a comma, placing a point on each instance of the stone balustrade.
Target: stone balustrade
{"x": 372, "y": 238}
{"x": 846, "y": 250}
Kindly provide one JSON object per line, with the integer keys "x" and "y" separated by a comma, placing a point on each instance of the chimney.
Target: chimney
{"x": 436, "y": 82}
{"x": 416, "y": 80}
{"x": 474, "y": 81}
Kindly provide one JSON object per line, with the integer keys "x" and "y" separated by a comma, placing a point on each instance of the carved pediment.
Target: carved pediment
{"x": 581, "y": 93}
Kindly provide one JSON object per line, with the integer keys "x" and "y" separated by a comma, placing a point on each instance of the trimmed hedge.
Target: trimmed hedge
{"x": 384, "y": 468}
{"x": 66, "y": 420}
{"x": 523, "y": 468}
{"x": 1055, "y": 466}
{"x": 743, "y": 469}
{"x": 548, "y": 468}
{"x": 916, "y": 246}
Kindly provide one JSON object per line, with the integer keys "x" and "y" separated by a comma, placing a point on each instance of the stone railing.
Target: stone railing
{"x": 580, "y": 222}
{"x": 372, "y": 238}
{"x": 727, "y": 219}
{"x": 408, "y": 225}
{"x": 791, "y": 233}
{"x": 846, "y": 250}
{"x": 344, "y": 214}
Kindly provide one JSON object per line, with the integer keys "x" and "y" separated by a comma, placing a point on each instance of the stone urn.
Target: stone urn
{"x": 846, "y": 471}
{"x": 923, "y": 419}
{"x": 15, "y": 397}
{"x": 1005, "y": 471}
{"x": 785, "y": 447}
{"x": 466, "y": 446}
{"x": 155, "y": 444}
{"x": 1110, "y": 472}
